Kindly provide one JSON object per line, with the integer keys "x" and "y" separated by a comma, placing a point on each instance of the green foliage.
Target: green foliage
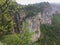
{"x": 56, "y": 23}
{"x": 1, "y": 43}
{"x": 6, "y": 24}
{"x": 47, "y": 36}
{"x": 56, "y": 19}
{"x": 30, "y": 10}
{"x": 7, "y": 11}
{"x": 24, "y": 38}
{"x": 2, "y": 2}
{"x": 34, "y": 9}
{"x": 50, "y": 34}
{"x": 6, "y": 21}
{"x": 17, "y": 39}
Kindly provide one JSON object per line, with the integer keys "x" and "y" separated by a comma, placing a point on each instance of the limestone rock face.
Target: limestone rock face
{"x": 34, "y": 24}
{"x": 45, "y": 18}
{"x": 34, "y": 27}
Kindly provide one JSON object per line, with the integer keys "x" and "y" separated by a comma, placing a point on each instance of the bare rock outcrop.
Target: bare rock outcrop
{"x": 34, "y": 27}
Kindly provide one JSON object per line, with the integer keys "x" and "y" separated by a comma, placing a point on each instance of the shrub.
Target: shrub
{"x": 1, "y": 43}
{"x": 17, "y": 39}
{"x": 24, "y": 38}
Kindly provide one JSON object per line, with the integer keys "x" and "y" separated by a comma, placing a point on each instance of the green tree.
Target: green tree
{"x": 30, "y": 10}
{"x": 6, "y": 21}
{"x": 9, "y": 11}
{"x": 24, "y": 38}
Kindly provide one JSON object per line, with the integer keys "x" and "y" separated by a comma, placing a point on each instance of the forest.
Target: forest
{"x": 33, "y": 24}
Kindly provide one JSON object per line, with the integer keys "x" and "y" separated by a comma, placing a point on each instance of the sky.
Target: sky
{"x": 25, "y": 2}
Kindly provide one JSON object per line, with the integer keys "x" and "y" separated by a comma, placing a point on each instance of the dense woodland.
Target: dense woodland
{"x": 12, "y": 21}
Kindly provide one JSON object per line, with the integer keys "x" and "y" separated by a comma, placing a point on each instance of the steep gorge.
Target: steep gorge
{"x": 34, "y": 15}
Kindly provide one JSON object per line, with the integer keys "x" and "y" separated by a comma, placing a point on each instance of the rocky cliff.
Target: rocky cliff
{"x": 34, "y": 27}
{"x": 37, "y": 14}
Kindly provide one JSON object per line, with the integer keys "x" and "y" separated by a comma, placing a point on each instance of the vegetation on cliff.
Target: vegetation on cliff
{"x": 15, "y": 31}
{"x": 50, "y": 34}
